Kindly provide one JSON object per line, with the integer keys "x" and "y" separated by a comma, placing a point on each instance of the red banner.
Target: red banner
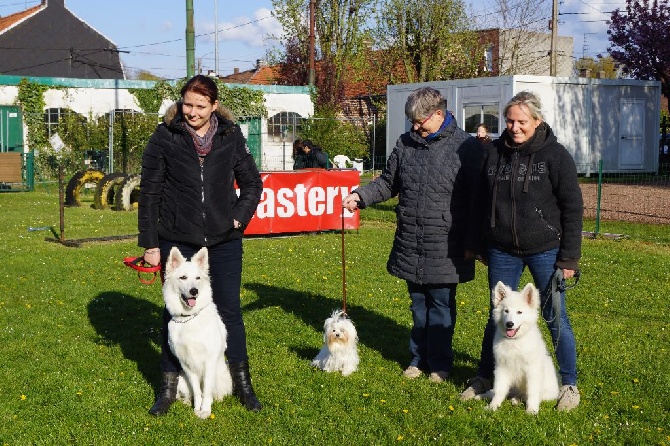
{"x": 305, "y": 200}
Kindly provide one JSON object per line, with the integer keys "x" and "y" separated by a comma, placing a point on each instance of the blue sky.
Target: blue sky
{"x": 153, "y": 31}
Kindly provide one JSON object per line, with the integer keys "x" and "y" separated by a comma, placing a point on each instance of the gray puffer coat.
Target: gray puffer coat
{"x": 435, "y": 181}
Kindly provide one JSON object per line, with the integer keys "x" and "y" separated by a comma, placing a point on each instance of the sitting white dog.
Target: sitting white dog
{"x": 523, "y": 367}
{"x": 340, "y": 345}
{"x": 196, "y": 334}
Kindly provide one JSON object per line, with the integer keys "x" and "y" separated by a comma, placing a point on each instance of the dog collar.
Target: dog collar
{"x": 186, "y": 318}
{"x": 139, "y": 265}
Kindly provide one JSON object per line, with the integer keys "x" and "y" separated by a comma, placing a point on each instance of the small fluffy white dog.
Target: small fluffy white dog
{"x": 523, "y": 367}
{"x": 340, "y": 345}
{"x": 196, "y": 334}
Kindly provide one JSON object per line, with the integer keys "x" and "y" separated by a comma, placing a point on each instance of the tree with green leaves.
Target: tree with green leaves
{"x": 639, "y": 37}
{"x": 430, "y": 39}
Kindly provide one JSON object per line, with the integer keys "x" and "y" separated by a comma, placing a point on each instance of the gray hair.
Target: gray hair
{"x": 528, "y": 99}
{"x": 424, "y": 101}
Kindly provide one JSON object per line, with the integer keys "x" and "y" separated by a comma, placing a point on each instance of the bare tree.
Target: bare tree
{"x": 524, "y": 39}
{"x": 340, "y": 37}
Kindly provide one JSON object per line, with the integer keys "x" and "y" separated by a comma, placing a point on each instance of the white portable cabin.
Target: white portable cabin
{"x": 613, "y": 120}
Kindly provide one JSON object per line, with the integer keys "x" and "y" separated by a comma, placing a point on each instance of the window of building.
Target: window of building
{"x": 475, "y": 114}
{"x": 488, "y": 58}
{"x": 284, "y": 126}
{"x": 53, "y": 116}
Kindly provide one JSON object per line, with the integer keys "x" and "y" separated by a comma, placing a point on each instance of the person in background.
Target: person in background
{"x": 483, "y": 135}
{"x": 433, "y": 170}
{"x": 298, "y": 154}
{"x": 187, "y": 199}
{"x": 309, "y": 156}
{"x": 532, "y": 212}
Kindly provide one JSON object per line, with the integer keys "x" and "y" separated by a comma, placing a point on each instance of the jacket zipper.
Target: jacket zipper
{"x": 512, "y": 183}
{"x": 202, "y": 192}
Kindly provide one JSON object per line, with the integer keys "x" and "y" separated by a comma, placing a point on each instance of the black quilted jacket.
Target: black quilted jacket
{"x": 435, "y": 181}
{"x": 182, "y": 201}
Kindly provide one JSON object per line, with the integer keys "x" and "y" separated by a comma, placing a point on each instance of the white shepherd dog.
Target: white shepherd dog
{"x": 523, "y": 367}
{"x": 196, "y": 334}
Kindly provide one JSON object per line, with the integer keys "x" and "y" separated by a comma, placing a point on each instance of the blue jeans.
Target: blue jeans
{"x": 225, "y": 273}
{"x": 434, "y": 316}
{"x": 507, "y": 268}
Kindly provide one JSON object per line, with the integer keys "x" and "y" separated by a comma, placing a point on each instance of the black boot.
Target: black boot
{"x": 166, "y": 395}
{"x": 242, "y": 388}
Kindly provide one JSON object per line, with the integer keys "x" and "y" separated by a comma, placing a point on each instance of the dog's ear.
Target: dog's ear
{"x": 201, "y": 259}
{"x": 499, "y": 293}
{"x": 174, "y": 259}
{"x": 531, "y": 295}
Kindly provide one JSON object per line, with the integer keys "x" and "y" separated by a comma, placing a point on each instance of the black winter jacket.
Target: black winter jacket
{"x": 531, "y": 198}
{"x": 435, "y": 181}
{"x": 182, "y": 201}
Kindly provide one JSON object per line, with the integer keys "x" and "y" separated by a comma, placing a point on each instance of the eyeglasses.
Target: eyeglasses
{"x": 418, "y": 125}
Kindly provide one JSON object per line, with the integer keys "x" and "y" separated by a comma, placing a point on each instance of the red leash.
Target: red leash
{"x": 139, "y": 265}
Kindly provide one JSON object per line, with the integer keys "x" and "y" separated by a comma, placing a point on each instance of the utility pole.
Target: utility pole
{"x": 190, "y": 40}
{"x": 311, "y": 43}
{"x": 554, "y": 34}
{"x": 216, "y": 38}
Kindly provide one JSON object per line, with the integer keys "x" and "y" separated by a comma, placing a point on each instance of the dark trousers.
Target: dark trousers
{"x": 225, "y": 272}
{"x": 434, "y": 318}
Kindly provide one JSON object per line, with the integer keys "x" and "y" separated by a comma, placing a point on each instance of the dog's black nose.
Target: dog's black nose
{"x": 509, "y": 324}
{"x": 193, "y": 292}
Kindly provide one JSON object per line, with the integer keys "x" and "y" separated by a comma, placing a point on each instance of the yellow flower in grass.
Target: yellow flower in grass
{"x": 400, "y": 438}
{"x": 23, "y": 397}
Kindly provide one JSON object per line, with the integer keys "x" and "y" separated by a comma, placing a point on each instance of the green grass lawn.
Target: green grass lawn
{"x": 79, "y": 354}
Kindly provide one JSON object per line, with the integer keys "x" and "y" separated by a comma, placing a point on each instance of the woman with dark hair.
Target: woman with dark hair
{"x": 308, "y": 156}
{"x": 483, "y": 135}
{"x": 188, "y": 200}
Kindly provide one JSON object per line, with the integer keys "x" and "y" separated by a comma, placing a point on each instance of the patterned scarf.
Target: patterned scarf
{"x": 203, "y": 144}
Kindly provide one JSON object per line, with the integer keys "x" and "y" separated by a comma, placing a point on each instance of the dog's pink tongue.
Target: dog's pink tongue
{"x": 191, "y": 302}
{"x": 510, "y": 333}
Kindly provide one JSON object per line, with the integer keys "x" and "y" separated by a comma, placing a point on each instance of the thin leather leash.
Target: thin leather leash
{"x": 557, "y": 286}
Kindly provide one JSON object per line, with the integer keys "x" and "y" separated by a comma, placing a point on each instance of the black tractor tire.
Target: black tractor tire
{"x": 78, "y": 180}
{"x": 105, "y": 191}
{"x": 128, "y": 193}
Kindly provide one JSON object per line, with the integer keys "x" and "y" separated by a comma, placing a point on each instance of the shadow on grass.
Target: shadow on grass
{"x": 134, "y": 325}
{"x": 375, "y": 331}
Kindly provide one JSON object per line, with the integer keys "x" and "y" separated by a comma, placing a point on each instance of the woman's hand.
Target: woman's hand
{"x": 152, "y": 256}
{"x": 350, "y": 202}
{"x": 568, "y": 273}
